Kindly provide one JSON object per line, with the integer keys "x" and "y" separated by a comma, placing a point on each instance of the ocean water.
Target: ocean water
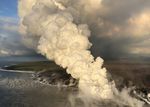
{"x": 19, "y": 90}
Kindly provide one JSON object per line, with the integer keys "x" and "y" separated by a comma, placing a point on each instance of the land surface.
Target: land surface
{"x": 35, "y": 66}
{"x": 46, "y": 72}
{"x": 124, "y": 73}
{"x": 130, "y": 73}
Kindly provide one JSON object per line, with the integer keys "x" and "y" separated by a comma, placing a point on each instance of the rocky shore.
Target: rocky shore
{"x": 57, "y": 77}
{"x": 124, "y": 73}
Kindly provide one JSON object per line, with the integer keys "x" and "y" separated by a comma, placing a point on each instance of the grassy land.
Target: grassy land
{"x": 35, "y": 66}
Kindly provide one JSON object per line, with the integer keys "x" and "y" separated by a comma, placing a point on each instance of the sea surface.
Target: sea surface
{"x": 20, "y": 90}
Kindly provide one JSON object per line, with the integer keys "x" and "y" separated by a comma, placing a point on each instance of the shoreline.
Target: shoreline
{"x": 16, "y": 71}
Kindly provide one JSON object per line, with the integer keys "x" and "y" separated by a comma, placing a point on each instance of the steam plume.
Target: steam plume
{"x": 65, "y": 40}
{"x": 61, "y": 29}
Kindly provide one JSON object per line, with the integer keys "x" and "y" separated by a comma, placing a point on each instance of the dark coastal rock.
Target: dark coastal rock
{"x": 146, "y": 81}
{"x": 46, "y": 72}
{"x": 57, "y": 77}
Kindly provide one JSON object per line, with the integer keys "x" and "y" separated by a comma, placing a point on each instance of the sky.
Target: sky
{"x": 8, "y": 8}
{"x": 11, "y": 42}
{"x": 123, "y": 30}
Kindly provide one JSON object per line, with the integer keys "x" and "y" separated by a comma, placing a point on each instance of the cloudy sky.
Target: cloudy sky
{"x": 11, "y": 42}
{"x": 122, "y": 31}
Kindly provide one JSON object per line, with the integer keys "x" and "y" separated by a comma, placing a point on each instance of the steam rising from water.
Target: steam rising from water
{"x": 58, "y": 29}
{"x": 66, "y": 42}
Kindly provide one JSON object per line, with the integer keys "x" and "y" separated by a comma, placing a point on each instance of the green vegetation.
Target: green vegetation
{"x": 35, "y": 66}
{"x": 138, "y": 73}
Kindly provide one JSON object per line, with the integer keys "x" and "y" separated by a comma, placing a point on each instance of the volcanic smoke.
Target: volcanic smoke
{"x": 61, "y": 32}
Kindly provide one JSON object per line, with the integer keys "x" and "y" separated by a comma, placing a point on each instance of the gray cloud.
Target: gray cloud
{"x": 10, "y": 40}
{"x": 124, "y": 29}
{"x": 119, "y": 28}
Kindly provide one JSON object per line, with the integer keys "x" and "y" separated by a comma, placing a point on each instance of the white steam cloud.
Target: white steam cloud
{"x": 61, "y": 28}
{"x": 66, "y": 42}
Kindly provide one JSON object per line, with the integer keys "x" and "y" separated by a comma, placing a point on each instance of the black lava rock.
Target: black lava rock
{"x": 56, "y": 77}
